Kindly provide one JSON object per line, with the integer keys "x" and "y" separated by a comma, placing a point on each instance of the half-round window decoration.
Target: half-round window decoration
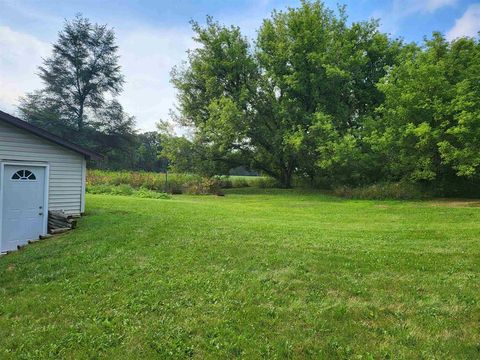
{"x": 24, "y": 175}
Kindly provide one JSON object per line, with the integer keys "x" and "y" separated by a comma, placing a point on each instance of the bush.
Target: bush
{"x": 383, "y": 191}
{"x": 204, "y": 187}
{"x": 150, "y": 194}
{"x": 224, "y": 182}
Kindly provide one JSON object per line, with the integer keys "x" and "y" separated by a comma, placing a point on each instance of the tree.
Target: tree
{"x": 111, "y": 133}
{"x": 148, "y": 152}
{"x": 215, "y": 91}
{"x": 185, "y": 155}
{"x": 324, "y": 74}
{"x": 82, "y": 78}
{"x": 261, "y": 108}
{"x": 460, "y": 147}
{"x": 428, "y": 127}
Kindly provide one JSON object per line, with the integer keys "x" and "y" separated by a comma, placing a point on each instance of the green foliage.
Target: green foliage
{"x": 205, "y": 186}
{"x": 215, "y": 92}
{"x": 184, "y": 155}
{"x": 82, "y": 77}
{"x": 150, "y": 194}
{"x": 228, "y": 182}
{"x": 265, "y": 182}
{"x": 148, "y": 149}
{"x": 317, "y": 100}
{"x": 257, "y": 274}
{"x": 333, "y": 102}
{"x": 428, "y": 127}
{"x": 262, "y": 108}
{"x": 461, "y": 146}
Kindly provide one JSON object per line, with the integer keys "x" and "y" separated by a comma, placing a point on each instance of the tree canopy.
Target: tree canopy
{"x": 313, "y": 96}
{"x": 283, "y": 106}
{"x": 81, "y": 80}
{"x": 335, "y": 102}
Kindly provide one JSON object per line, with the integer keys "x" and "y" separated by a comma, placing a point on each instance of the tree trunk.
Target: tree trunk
{"x": 286, "y": 177}
{"x": 80, "y": 118}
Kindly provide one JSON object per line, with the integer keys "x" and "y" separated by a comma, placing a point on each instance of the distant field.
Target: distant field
{"x": 267, "y": 273}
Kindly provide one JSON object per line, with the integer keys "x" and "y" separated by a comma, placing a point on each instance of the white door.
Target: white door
{"x": 23, "y": 214}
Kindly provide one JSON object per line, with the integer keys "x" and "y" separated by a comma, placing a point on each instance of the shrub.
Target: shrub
{"x": 253, "y": 181}
{"x": 204, "y": 187}
{"x": 383, "y": 191}
{"x": 225, "y": 182}
{"x": 150, "y": 194}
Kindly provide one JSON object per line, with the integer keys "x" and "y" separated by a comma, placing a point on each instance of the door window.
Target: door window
{"x": 23, "y": 175}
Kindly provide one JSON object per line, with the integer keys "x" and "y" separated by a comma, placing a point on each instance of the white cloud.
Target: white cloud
{"x": 147, "y": 56}
{"x": 20, "y": 55}
{"x": 467, "y": 25}
{"x": 433, "y": 5}
{"x": 408, "y": 7}
{"x": 392, "y": 18}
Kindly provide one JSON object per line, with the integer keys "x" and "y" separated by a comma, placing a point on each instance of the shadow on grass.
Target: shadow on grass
{"x": 327, "y": 195}
{"x": 324, "y": 195}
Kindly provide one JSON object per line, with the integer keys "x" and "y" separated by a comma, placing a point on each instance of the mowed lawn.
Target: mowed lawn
{"x": 268, "y": 274}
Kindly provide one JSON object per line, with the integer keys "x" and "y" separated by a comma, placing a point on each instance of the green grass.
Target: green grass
{"x": 255, "y": 274}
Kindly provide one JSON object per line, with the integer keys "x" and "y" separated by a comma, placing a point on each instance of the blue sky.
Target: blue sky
{"x": 154, "y": 35}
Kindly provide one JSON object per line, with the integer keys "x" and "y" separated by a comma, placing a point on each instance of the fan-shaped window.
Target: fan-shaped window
{"x": 24, "y": 175}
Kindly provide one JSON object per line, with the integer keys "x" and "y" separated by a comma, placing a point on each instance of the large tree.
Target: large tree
{"x": 82, "y": 77}
{"x": 216, "y": 88}
{"x": 321, "y": 76}
{"x": 310, "y": 78}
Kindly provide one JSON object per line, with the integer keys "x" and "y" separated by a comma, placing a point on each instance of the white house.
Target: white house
{"x": 38, "y": 172}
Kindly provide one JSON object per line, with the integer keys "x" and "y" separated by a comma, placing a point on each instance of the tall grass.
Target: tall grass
{"x": 174, "y": 183}
{"x": 126, "y": 190}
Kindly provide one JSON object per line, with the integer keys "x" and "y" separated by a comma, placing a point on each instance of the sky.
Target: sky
{"x": 154, "y": 35}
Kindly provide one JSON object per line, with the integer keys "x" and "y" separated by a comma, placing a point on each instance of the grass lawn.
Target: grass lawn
{"x": 255, "y": 274}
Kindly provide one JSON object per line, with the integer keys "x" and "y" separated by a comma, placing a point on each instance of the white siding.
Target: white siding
{"x": 66, "y": 166}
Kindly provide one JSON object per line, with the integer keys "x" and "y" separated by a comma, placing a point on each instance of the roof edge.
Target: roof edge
{"x": 19, "y": 123}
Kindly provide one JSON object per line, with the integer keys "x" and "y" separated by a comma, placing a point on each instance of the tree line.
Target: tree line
{"x": 314, "y": 97}
{"x": 333, "y": 102}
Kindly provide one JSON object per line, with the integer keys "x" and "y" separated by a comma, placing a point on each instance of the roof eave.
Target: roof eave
{"x": 14, "y": 121}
